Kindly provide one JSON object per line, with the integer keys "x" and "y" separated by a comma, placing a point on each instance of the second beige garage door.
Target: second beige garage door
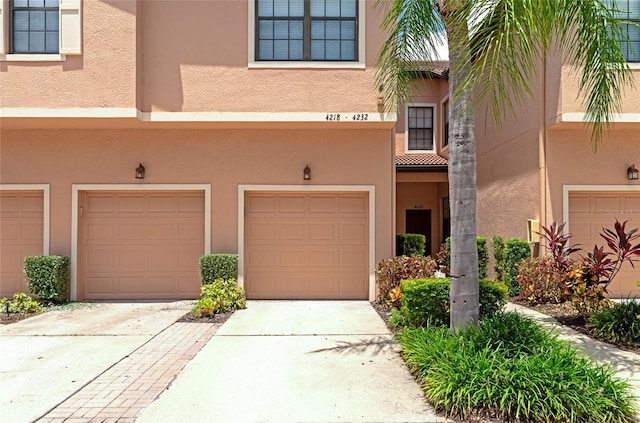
{"x": 306, "y": 245}
{"x": 140, "y": 245}
{"x": 589, "y": 212}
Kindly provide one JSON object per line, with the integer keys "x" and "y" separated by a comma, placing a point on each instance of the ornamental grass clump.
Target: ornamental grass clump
{"x": 512, "y": 368}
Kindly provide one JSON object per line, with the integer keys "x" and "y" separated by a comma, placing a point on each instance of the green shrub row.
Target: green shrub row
{"x": 220, "y": 296}
{"x": 410, "y": 245}
{"x": 516, "y": 251}
{"x": 389, "y": 273}
{"x": 619, "y": 323}
{"x": 511, "y": 368}
{"x": 48, "y": 277}
{"x": 218, "y": 266}
{"x": 426, "y": 300}
{"x": 483, "y": 255}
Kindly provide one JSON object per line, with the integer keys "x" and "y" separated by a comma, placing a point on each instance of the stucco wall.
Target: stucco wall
{"x": 222, "y": 158}
{"x": 103, "y": 76}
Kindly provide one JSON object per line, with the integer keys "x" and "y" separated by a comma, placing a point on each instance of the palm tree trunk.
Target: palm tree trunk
{"x": 464, "y": 295}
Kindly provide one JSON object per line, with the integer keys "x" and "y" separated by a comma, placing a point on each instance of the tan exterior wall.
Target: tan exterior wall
{"x": 103, "y": 76}
{"x": 222, "y": 158}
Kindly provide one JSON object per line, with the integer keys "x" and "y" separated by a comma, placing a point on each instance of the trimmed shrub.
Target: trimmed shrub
{"x": 511, "y": 368}
{"x": 426, "y": 301}
{"x": 499, "y": 248}
{"x": 390, "y": 272}
{"x": 48, "y": 277}
{"x": 540, "y": 282}
{"x": 411, "y": 245}
{"x": 483, "y": 256}
{"x": 619, "y": 324}
{"x": 218, "y": 266}
{"x": 22, "y": 303}
{"x": 220, "y": 296}
{"x": 516, "y": 252}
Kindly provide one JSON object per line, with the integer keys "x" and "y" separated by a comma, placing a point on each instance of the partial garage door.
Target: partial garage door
{"x": 140, "y": 245}
{"x": 306, "y": 245}
{"x": 589, "y": 212}
{"x": 21, "y": 235}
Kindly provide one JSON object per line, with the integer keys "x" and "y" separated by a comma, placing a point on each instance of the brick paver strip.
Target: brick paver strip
{"x": 121, "y": 392}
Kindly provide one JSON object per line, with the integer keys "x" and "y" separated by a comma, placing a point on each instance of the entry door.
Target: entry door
{"x": 419, "y": 222}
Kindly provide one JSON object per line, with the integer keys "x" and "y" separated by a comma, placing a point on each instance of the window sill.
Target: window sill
{"x": 420, "y": 152}
{"x": 634, "y": 66}
{"x": 306, "y": 65}
{"x": 33, "y": 57}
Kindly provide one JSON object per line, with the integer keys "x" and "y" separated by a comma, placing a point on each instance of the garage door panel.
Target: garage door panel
{"x": 589, "y": 213}
{"x": 316, "y": 237}
{"x": 146, "y": 247}
{"x": 21, "y": 235}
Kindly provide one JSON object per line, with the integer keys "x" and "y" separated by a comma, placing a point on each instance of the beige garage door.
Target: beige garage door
{"x": 21, "y": 235}
{"x": 589, "y": 212}
{"x": 306, "y": 245}
{"x": 140, "y": 245}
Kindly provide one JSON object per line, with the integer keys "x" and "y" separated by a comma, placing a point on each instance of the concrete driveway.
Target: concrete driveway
{"x": 45, "y": 359}
{"x": 295, "y": 361}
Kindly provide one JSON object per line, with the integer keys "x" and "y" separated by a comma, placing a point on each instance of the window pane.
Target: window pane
{"x": 296, "y": 8}
{"x": 36, "y": 41}
{"x": 347, "y": 50}
{"x": 21, "y": 42}
{"x": 265, "y": 50}
{"x": 51, "y": 20}
{"x": 21, "y": 20}
{"x": 281, "y": 7}
{"x": 332, "y": 30}
{"x": 265, "y": 7}
{"x": 296, "y": 30}
{"x": 36, "y": 3}
{"x": 634, "y": 9}
{"x": 333, "y": 50}
{"x": 317, "y": 50}
{"x": 348, "y": 9}
{"x": 317, "y": 8}
{"x": 20, "y": 3}
{"x": 51, "y": 42}
{"x": 317, "y": 30}
{"x": 295, "y": 50}
{"x": 265, "y": 30}
{"x": 36, "y": 21}
{"x": 51, "y": 3}
{"x": 347, "y": 30}
{"x": 281, "y": 30}
{"x": 281, "y": 49}
{"x": 332, "y": 8}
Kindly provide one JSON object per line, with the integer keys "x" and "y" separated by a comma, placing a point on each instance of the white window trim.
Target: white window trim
{"x": 567, "y": 189}
{"x": 370, "y": 189}
{"x": 75, "y": 191}
{"x": 434, "y": 106}
{"x": 33, "y": 57}
{"x": 46, "y": 208}
{"x": 359, "y": 64}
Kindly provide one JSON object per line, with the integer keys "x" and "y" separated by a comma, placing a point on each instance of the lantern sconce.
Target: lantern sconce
{"x": 306, "y": 174}
{"x": 632, "y": 173}
{"x": 140, "y": 172}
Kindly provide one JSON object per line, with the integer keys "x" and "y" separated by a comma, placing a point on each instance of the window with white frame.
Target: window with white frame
{"x": 629, "y": 10}
{"x": 420, "y": 128}
{"x": 40, "y": 27}
{"x": 306, "y": 30}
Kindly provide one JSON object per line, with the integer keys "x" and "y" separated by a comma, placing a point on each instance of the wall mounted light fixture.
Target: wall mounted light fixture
{"x": 306, "y": 174}
{"x": 140, "y": 172}
{"x": 632, "y": 172}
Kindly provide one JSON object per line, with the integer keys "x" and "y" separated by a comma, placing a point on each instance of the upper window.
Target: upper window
{"x": 35, "y": 26}
{"x": 445, "y": 118}
{"x": 630, "y": 10}
{"x": 420, "y": 128}
{"x": 306, "y": 30}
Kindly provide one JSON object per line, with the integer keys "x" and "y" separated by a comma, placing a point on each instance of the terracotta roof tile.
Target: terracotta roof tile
{"x": 426, "y": 159}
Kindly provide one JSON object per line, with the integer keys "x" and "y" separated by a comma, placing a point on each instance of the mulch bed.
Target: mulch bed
{"x": 216, "y": 318}
{"x": 6, "y": 319}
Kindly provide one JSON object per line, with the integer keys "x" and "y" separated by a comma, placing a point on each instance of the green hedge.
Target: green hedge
{"x": 218, "y": 266}
{"x": 411, "y": 245}
{"x": 516, "y": 251}
{"x": 483, "y": 255}
{"x": 48, "y": 277}
{"x": 427, "y": 300}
